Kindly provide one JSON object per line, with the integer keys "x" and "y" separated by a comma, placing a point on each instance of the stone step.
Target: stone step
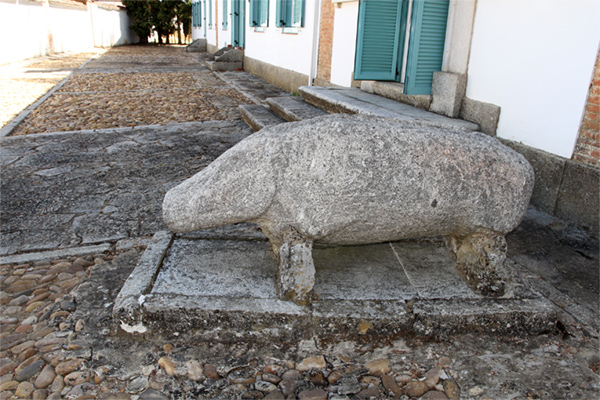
{"x": 356, "y": 101}
{"x": 224, "y": 65}
{"x": 258, "y": 117}
{"x": 293, "y": 108}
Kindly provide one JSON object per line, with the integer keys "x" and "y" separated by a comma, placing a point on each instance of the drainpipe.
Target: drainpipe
{"x": 315, "y": 45}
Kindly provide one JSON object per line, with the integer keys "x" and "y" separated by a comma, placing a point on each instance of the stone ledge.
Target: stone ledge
{"x": 564, "y": 188}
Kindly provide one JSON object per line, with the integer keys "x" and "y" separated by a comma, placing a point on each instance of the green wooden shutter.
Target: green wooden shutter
{"x": 259, "y": 12}
{"x": 210, "y": 13}
{"x": 254, "y": 8}
{"x": 379, "y": 39}
{"x": 279, "y": 13}
{"x": 426, "y": 45}
{"x": 225, "y": 15}
{"x": 204, "y": 18}
{"x": 285, "y": 12}
{"x": 264, "y": 13}
{"x": 298, "y": 13}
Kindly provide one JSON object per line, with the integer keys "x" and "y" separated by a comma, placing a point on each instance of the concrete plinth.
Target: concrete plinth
{"x": 220, "y": 284}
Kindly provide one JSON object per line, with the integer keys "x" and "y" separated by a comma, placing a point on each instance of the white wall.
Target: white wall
{"x": 30, "y": 25}
{"x": 291, "y": 51}
{"x": 71, "y": 29}
{"x": 345, "y": 22}
{"x": 27, "y": 22}
{"x": 111, "y": 27}
{"x": 534, "y": 59}
{"x": 224, "y": 35}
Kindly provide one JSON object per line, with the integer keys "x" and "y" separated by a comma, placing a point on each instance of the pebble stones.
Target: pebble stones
{"x": 38, "y": 344}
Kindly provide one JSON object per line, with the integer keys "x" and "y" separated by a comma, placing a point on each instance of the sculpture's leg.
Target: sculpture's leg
{"x": 480, "y": 260}
{"x": 295, "y": 276}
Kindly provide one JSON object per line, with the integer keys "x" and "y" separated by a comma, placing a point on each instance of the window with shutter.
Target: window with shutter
{"x": 225, "y": 15}
{"x": 259, "y": 13}
{"x": 290, "y": 13}
{"x": 196, "y": 15}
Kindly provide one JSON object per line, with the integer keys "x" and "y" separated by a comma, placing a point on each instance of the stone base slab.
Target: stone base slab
{"x": 220, "y": 284}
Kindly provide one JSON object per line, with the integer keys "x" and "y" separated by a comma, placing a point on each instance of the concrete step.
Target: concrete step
{"x": 293, "y": 108}
{"x": 258, "y": 117}
{"x": 356, "y": 101}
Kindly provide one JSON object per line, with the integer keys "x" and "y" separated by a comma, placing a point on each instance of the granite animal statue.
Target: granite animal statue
{"x": 348, "y": 180}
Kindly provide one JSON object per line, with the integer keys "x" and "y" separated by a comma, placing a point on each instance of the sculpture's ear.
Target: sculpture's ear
{"x": 237, "y": 187}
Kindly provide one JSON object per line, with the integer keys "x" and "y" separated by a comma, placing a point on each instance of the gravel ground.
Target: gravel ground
{"x": 132, "y": 86}
{"x": 24, "y": 82}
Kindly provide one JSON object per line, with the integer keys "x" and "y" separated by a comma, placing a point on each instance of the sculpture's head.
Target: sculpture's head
{"x": 232, "y": 189}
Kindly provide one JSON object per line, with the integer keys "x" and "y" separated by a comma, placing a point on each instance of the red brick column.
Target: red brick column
{"x": 587, "y": 149}
{"x": 325, "y": 41}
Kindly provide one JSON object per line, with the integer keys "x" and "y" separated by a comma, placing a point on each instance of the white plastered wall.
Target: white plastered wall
{"x": 70, "y": 29}
{"x": 211, "y": 31}
{"x": 285, "y": 50}
{"x": 345, "y": 22}
{"x": 534, "y": 59}
{"x": 224, "y": 34}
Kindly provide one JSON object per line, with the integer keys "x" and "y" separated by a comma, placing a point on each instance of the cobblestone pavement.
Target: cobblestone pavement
{"x": 69, "y": 189}
{"x": 136, "y": 85}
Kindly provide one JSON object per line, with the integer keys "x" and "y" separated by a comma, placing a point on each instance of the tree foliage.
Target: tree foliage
{"x": 161, "y": 16}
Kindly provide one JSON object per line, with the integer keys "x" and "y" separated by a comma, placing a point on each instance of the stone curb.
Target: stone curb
{"x": 122, "y": 129}
{"x": 131, "y": 297}
{"x": 54, "y": 254}
{"x": 236, "y": 87}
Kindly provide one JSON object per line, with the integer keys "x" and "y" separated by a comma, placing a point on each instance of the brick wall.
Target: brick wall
{"x": 587, "y": 149}
{"x": 325, "y": 41}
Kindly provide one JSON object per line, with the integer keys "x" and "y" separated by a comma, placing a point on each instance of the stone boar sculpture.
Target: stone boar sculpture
{"x": 346, "y": 180}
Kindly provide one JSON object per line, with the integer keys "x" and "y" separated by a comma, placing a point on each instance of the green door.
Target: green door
{"x": 238, "y": 16}
{"x": 381, "y": 36}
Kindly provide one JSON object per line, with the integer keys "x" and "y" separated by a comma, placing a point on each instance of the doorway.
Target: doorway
{"x": 238, "y": 19}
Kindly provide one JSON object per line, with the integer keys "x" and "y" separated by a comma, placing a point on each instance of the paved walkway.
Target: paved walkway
{"x": 95, "y": 185}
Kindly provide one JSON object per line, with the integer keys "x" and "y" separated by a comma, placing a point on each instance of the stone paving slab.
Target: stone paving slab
{"x": 89, "y": 187}
{"x": 355, "y": 101}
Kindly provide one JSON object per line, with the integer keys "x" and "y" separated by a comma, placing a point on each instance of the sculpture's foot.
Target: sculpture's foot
{"x": 480, "y": 261}
{"x": 295, "y": 276}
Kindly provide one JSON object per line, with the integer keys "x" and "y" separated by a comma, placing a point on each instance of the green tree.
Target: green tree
{"x": 161, "y": 16}
{"x": 184, "y": 18}
{"x": 140, "y": 13}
